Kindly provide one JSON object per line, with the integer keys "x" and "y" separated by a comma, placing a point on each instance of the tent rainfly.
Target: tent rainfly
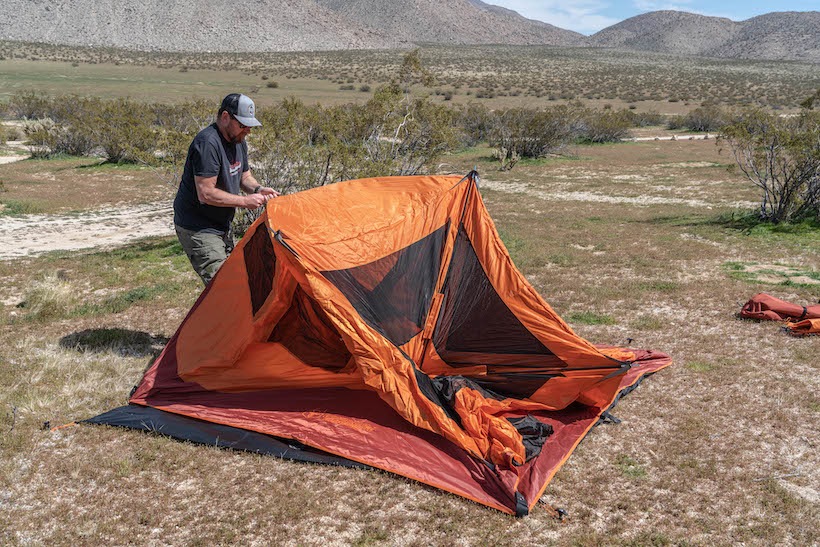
{"x": 381, "y": 323}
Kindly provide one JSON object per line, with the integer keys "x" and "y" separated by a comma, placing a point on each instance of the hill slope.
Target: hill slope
{"x": 780, "y": 35}
{"x": 452, "y": 22}
{"x": 270, "y": 25}
{"x": 187, "y": 25}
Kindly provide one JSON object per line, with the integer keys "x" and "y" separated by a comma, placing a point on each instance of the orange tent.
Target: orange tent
{"x": 382, "y": 322}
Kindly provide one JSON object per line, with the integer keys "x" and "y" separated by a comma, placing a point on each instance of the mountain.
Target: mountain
{"x": 451, "y": 22}
{"x": 271, "y": 25}
{"x": 787, "y": 35}
{"x": 780, "y": 35}
{"x": 187, "y": 25}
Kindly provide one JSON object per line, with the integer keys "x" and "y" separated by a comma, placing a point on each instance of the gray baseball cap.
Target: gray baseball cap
{"x": 242, "y": 108}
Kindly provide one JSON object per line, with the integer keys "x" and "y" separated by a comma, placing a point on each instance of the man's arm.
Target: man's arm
{"x": 207, "y": 192}
{"x": 250, "y": 185}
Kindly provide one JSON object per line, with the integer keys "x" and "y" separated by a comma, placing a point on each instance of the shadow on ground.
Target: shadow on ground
{"x": 128, "y": 343}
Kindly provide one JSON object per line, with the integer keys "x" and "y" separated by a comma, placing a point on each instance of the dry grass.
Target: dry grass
{"x": 721, "y": 448}
{"x": 76, "y": 184}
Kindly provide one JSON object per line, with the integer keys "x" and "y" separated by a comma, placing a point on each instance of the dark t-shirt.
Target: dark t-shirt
{"x": 209, "y": 155}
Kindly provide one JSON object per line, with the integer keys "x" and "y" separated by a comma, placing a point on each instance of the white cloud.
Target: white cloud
{"x": 581, "y": 16}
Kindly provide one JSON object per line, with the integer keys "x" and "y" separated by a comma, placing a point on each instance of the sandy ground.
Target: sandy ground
{"x": 30, "y": 235}
{"x": 34, "y": 234}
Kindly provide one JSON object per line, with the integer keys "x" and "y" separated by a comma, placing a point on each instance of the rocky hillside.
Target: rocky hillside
{"x": 270, "y": 25}
{"x": 452, "y": 22}
{"x": 781, "y": 35}
{"x": 187, "y": 25}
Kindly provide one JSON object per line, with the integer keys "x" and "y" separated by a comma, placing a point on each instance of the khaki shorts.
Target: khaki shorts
{"x": 206, "y": 251}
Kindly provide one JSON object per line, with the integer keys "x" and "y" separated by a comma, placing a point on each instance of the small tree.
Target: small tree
{"x": 781, "y": 156}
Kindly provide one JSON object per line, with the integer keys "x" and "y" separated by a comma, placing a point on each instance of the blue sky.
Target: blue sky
{"x": 590, "y": 16}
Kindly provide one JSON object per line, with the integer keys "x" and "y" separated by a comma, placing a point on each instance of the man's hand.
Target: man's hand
{"x": 264, "y": 190}
{"x": 252, "y": 201}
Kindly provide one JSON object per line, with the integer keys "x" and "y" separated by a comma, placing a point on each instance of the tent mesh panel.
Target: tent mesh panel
{"x": 259, "y": 263}
{"x": 473, "y": 318}
{"x": 393, "y": 293}
{"x": 306, "y": 331}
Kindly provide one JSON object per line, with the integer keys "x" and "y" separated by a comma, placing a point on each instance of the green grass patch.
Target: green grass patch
{"x": 647, "y": 322}
{"x": 124, "y": 300}
{"x": 591, "y": 318}
{"x": 658, "y": 286}
{"x": 629, "y": 467}
{"x": 514, "y": 244}
{"x": 700, "y": 366}
{"x": 17, "y": 207}
{"x": 561, "y": 259}
{"x": 772, "y": 274}
{"x": 749, "y": 222}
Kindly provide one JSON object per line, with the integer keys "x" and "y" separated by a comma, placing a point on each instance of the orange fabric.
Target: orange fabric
{"x": 803, "y": 328}
{"x": 764, "y": 306}
{"x": 224, "y": 346}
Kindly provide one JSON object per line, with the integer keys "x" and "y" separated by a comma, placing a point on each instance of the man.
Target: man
{"x": 216, "y": 169}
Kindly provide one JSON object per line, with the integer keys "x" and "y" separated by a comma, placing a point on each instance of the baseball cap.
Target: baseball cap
{"x": 242, "y": 108}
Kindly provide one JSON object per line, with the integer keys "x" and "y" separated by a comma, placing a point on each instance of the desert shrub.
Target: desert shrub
{"x": 781, "y": 156}
{"x": 29, "y": 105}
{"x": 474, "y": 122}
{"x": 13, "y": 133}
{"x": 123, "y": 129}
{"x": 706, "y": 118}
{"x": 46, "y": 138}
{"x": 676, "y": 123}
{"x": 175, "y": 126}
{"x": 3, "y": 135}
{"x": 646, "y": 119}
{"x": 272, "y": 84}
{"x": 604, "y": 126}
{"x": 531, "y": 133}
{"x": 703, "y": 118}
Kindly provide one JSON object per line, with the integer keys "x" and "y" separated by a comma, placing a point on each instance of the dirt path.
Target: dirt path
{"x": 35, "y": 234}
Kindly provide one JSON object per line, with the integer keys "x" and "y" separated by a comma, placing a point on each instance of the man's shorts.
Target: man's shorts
{"x": 206, "y": 251}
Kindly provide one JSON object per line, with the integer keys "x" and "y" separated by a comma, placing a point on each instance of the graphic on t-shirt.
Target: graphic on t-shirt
{"x": 235, "y": 167}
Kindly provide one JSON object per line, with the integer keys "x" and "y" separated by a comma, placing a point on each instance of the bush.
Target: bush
{"x": 272, "y": 84}
{"x": 46, "y": 138}
{"x": 30, "y": 105}
{"x": 474, "y": 122}
{"x": 604, "y": 126}
{"x": 646, "y": 119}
{"x": 704, "y": 118}
{"x": 533, "y": 133}
{"x": 781, "y": 156}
